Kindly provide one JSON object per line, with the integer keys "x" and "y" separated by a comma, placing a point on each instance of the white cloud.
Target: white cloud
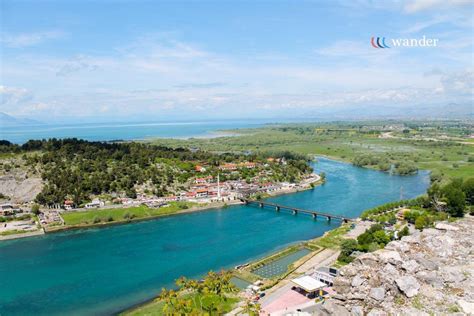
{"x": 458, "y": 82}
{"x": 12, "y": 96}
{"x": 414, "y": 6}
{"x": 29, "y": 39}
{"x": 76, "y": 64}
{"x": 350, "y": 50}
{"x": 155, "y": 78}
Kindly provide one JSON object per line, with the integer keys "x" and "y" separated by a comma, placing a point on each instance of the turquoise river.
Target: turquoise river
{"x": 102, "y": 271}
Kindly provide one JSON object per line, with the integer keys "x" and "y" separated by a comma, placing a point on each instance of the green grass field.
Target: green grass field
{"x": 450, "y": 158}
{"x": 121, "y": 214}
{"x": 333, "y": 238}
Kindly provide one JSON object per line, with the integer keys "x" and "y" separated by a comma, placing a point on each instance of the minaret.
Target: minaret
{"x": 218, "y": 187}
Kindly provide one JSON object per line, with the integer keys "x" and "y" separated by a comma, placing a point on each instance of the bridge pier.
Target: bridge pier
{"x": 315, "y": 216}
{"x": 329, "y": 218}
{"x": 277, "y": 208}
{"x": 295, "y": 212}
{"x": 261, "y": 205}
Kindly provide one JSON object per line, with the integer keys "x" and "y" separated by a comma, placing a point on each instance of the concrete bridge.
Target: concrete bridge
{"x": 296, "y": 210}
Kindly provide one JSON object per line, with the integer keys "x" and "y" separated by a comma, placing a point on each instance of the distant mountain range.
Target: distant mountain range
{"x": 339, "y": 113}
{"x": 8, "y": 120}
{"x": 447, "y": 111}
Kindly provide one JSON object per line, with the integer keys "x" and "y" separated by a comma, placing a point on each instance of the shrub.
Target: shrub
{"x": 381, "y": 238}
{"x": 422, "y": 221}
{"x": 404, "y": 232}
{"x": 348, "y": 246}
{"x": 35, "y": 209}
{"x": 183, "y": 206}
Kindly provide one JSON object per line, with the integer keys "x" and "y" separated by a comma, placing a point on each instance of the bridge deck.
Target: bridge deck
{"x": 298, "y": 210}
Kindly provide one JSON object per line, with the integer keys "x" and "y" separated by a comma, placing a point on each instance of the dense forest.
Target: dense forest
{"x": 78, "y": 169}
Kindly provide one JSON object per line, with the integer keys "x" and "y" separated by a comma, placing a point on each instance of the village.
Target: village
{"x": 204, "y": 190}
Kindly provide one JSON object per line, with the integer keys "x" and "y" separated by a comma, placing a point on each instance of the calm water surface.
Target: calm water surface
{"x": 101, "y": 271}
{"x": 124, "y": 131}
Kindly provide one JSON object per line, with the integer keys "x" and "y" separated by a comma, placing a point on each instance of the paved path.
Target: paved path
{"x": 359, "y": 228}
{"x": 323, "y": 258}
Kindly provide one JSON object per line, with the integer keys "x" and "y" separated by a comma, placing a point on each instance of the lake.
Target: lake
{"x": 102, "y": 271}
{"x": 123, "y": 131}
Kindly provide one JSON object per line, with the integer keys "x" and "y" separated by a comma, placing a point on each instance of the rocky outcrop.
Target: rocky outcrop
{"x": 20, "y": 188}
{"x": 426, "y": 273}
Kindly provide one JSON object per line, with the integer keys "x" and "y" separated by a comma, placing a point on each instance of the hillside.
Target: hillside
{"x": 427, "y": 273}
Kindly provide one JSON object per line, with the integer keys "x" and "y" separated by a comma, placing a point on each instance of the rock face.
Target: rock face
{"x": 408, "y": 285}
{"x": 20, "y": 188}
{"x": 426, "y": 273}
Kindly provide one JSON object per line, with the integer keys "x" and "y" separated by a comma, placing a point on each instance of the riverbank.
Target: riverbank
{"x": 320, "y": 254}
{"x": 201, "y": 208}
{"x": 22, "y": 235}
{"x": 306, "y": 184}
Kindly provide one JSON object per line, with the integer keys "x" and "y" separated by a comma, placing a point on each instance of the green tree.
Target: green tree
{"x": 348, "y": 246}
{"x": 468, "y": 189}
{"x": 35, "y": 209}
{"x": 455, "y": 198}
{"x": 404, "y": 232}
{"x": 422, "y": 221}
{"x": 365, "y": 238}
{"x": 381, "y": 238}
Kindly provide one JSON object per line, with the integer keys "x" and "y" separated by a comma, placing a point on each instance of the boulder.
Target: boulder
{"x": 356, "y": 296}
{"x": 367, "y": 259}
{"x": 390, "y": 256}
{"x": 377, "y": 312}
{"x": 431, "y": 278}
{"x": 358, "y": 281}
{"x": 432, "y": 270}
{"x": 428, "y": 264}
{"x": 334, "y": 309}
{"x": 348, "y": 271}
{"x": 377, "y": 293}
{"x": 452, "y": 274}
{"x": 444, "y": 226}
{"x": 398, "y": 246}
{"x": 342, "y": 285}
{"x": 408, "y": 285}
{"x": 410, "y": 266}
{"x": 411, "y": 239}
{"x": 410, "y": 311}
{"x": 443, "y": 245}
{"x": 466, "y": 307}
{"x": 357, "y": 310}
{"x": 390, "y": 272}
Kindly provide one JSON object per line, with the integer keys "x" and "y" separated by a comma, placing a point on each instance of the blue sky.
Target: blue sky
{"x": 207, "y": 59}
